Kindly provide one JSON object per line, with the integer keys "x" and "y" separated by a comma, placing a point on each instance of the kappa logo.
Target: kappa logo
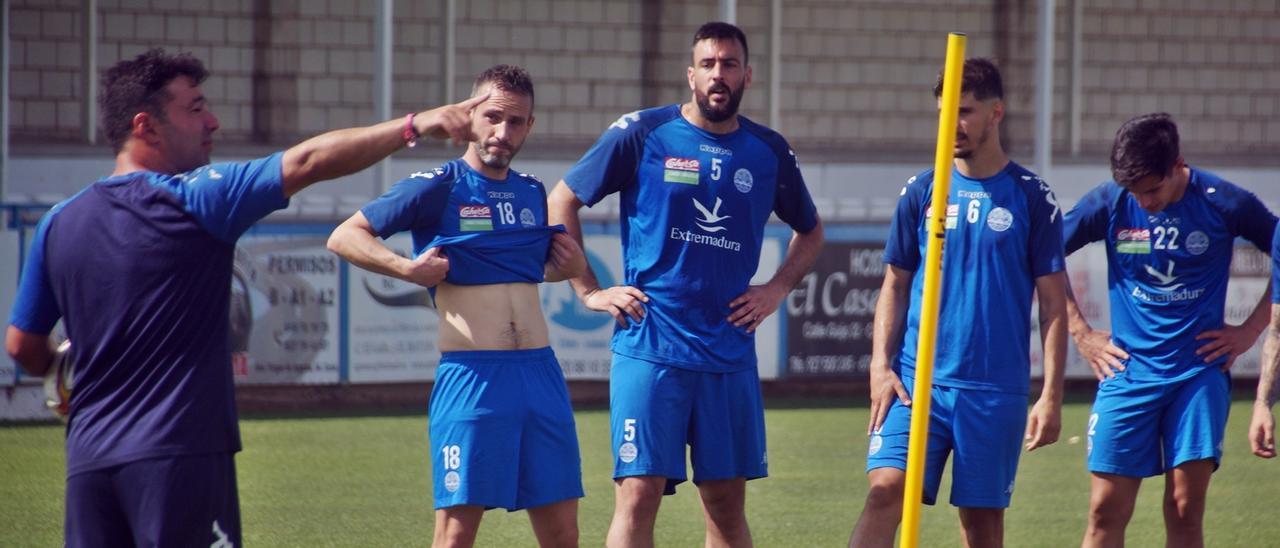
{"x": 710, "y": 217}
{"x": 626, "y": 120}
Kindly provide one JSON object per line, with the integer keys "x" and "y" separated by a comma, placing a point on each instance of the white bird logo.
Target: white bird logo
{"x": 1166, "y": 278}
{"x": 710, "y": 217}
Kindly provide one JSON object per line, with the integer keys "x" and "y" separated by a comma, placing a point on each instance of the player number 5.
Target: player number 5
{"x": 629, "y": 429}
{"x": 715, "y": 169}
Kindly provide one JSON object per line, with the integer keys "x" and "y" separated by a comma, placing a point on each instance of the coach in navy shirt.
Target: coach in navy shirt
{"x": 138, "y": 265}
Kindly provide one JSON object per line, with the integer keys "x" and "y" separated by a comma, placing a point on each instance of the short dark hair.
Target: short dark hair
{"x": 506, "y": 78}
{"x": 138, "y": 85}
{"x": 981, "y": 77}
{"x": 1145, "y": 145}
{"x": 719, "y": 30}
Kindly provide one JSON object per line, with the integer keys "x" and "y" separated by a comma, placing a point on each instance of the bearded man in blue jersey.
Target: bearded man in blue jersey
{"x": 138, "y": 265}
{"x": 1003, "y": 243}
{"x": 502, "y": 429}
{"x": 1163, "y": 392}
{"x": 697, "y": 183}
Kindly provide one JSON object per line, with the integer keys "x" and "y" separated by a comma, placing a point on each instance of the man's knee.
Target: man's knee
{"x": 884, "y": 493}
{"x": 640, "y": 495}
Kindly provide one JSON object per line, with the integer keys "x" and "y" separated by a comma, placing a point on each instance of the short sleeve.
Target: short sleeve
{"x": 611, "y": 163}
{"x": 227, "y": 198}
{"x": 35, "y": 309}
{"x": 1046, "y": 252}
{"x": 1248, "y": 218}
{"x": 415, "y": 202}
{"x": 1087, "y": 221}
{"x": 902, "y": 248}
{"x": 792, "y": 202}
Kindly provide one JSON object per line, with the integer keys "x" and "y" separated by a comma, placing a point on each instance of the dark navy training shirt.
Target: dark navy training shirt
{"x": 139, "y": 268}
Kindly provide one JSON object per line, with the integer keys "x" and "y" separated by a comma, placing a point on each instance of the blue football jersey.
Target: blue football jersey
{"x": 139, "y": 268}
{"x": 694, "y": 206}
{"x": 1002, "y": 233}
{"x": 492, "y": 231}
{"x": 1168, "y": 271}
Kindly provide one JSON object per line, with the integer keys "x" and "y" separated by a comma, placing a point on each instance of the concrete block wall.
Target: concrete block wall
{"x": 856, "y": 75}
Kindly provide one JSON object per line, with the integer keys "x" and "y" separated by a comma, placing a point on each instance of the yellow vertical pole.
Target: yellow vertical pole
{"x": 948, "y": 111}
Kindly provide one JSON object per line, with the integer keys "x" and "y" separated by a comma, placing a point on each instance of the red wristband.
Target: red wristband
{"x": 410, "y": 134}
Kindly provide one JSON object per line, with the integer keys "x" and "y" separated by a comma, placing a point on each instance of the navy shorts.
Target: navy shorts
{"x": 175, "y": 501}
{"x": 656, "y": 410}
{"x": 502, "y": 431}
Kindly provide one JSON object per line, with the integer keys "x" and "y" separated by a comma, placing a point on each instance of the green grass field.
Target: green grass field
{"x": 364, "y": 481}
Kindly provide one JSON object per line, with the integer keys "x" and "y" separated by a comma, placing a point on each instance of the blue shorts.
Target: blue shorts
{"x": 1145, "y": 428}
{"x": 984, "y": 430}
{"x": 502, "y": 431}
{"x": 656, "y": 410}
{"x": 175, "y": 501}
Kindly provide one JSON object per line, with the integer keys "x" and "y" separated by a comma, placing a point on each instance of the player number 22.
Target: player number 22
{"x": 452, "y": 457}
{"x": 1161, "y": 232}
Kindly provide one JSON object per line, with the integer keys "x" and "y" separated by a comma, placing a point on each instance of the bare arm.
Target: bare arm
{"x": 566, "y": 259}
{"x": 357, "y": 242}
{"x": 1045, "y": 421}
{"x": 1095, "y": 345}
{"x": 30, "y": 350}
{"x": 1233, "y": 340}
{"x": 346, "y": 151}
{"x": 891, "y": 313}
{"x": 624, "y": 303}
{"x": 1262, "y": 428}
{"x": 759, "y": 301}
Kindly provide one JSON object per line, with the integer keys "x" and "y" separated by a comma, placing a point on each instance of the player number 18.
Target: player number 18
{"x": 452, "y": 457}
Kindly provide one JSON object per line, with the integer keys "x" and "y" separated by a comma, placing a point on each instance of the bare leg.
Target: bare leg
{"x": 1185, "y": 488}
{"x": 456, "y": 526}
{"x": 883, "y": 510}
{"x": 1111, "y": 500}
{"x": 635, "y": 508}
{"x": 724, "y": 505}
{"x": 556, "y": 524}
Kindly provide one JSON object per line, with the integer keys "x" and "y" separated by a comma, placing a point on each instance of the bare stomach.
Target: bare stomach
{"x": 490, "y": 317}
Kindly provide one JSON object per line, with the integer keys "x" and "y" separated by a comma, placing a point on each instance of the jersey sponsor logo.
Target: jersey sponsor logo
{"x": 953, "y": 215}
{"x": 680, "y": 170}
{"x": 1168, "y": 288}
{"x": 474, "y": 218}
{"x": 715, "y": 150}
{"x": 1133, "y": 240}
{"x": 999, "y": 219}
{"x": 627, "y": 452}
{"x": 742, "y": 180}
{"x": 712, "y": 218}
{"x": 709, "y": 221}
{"x": 1197, "y": 243}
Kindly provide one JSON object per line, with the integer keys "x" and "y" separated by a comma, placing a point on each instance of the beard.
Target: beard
{"x": 496, "y": 161}
{"x": 723, "y": 112}
{"x": 966, "y": 153}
